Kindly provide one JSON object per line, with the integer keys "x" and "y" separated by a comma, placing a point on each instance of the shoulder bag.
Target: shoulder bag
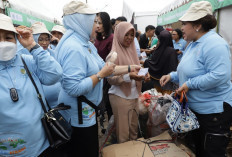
{"x": 57, "y": 129}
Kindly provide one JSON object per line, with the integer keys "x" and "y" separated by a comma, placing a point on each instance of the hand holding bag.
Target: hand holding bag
{"x": 58, "y": 130}
{"x": 179, "y": 117}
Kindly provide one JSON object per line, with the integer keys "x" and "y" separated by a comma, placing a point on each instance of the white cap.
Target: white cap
{"x": 39, "y": 28}
{"x": 6, "y": 23}
{"x": 59, "y": 28}
{"x": 197, "y": 10}
{"x": 78, "y": 7}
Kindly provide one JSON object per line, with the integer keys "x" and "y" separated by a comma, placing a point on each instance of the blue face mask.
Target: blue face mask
{"x": 7, "y": 50}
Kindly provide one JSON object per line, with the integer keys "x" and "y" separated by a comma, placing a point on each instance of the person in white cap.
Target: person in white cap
{"x": 83, "y": 72}
{"x": 204, "y": 73}
{"x": 43, "y": 37}
{"x": 21, "y": 130}
{"x": 57, "y": 33}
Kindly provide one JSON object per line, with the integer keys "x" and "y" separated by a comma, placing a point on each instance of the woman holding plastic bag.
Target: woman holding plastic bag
{"x": 204, "y": 73}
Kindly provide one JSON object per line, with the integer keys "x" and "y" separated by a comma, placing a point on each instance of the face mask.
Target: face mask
{"x": 7, "y": 50}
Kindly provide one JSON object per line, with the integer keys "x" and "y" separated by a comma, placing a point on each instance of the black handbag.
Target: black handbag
{"x": 57, "y": 129}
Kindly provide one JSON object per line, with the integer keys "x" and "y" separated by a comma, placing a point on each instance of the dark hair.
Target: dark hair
{"x": 149, "y": 27}
{"x": 208, "y": 22}
{"x": 106, "y": 25}
{"x": 179, "y": 32}
{"x": 137, "y": 34}
{"x": 112, "y": 21}
{"x": 121, "y": 18}
{"x": 158, "y": 30}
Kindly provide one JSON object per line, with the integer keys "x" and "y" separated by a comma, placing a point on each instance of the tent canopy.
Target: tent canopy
{"x": 143, "y": 7}
{"x": 26, "y": 13}
{"x": 143, "y": 13}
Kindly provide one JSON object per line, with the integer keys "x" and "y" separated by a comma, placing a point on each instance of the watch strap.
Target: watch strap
{"x": 99, "y": 78}
{"x": 35, "y": 47}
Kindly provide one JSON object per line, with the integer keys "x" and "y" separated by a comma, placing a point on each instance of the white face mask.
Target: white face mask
{"x": 7, "y": 50}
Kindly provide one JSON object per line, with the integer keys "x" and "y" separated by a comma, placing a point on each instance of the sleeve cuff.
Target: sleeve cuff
{"x": 172, "y": 76}
{"x": 35, "y": 52}
{"x": 188, "y": 83}
{"x": 126, "y": 78}
{"x": 87, "y": 85}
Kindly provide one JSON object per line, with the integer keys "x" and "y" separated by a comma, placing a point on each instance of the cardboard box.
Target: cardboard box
{"x": 159, "y": 146}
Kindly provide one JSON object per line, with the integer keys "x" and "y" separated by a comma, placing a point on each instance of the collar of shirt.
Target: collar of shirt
{"x": 16, "y": 61}
{"x": 202, "y": 38}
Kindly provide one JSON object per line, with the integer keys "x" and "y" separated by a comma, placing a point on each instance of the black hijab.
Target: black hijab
{"x": 158, "y": 30}
{"x": 164, "y": 58}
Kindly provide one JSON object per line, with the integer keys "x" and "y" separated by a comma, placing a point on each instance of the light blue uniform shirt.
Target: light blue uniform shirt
{"x": 52, "y": 92}
{"x": 137, "y": 47}
{"x": 53, "y": 47}
{"x": 21, "y": 131}
{"x": 79, "y": 60}
{"x": 181, "y": 46}
{"x": 206, "y": 69}
{"x": 21, "y": 50}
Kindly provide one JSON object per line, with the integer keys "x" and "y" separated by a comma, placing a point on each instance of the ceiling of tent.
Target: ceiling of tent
{"x": 173, "y": 5}
{"x": 50, "y": 9}
{"x": 34, "y": 8}
{"x": 143, "y": 7}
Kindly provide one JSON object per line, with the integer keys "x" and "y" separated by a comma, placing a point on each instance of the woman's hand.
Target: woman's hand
{"x": 107, "y": 70}
{"x": 25, "y": 37}
{"x": 147, "y": 77}
{"x": 164, "y": 79}
{"x": 54, "y": 40}
{"x": 135, "y": 76}
{"x": 135, "y": 68}
{"x": 184, "y": 87}
{"x": 141, "y": 62}
{"x": 179, "y": 52}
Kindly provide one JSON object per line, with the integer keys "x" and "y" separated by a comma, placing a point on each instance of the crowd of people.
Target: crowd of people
{"x": 76, "y": 60}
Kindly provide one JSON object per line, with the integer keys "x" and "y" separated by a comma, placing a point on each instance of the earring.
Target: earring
{"x": 197, "y": 30}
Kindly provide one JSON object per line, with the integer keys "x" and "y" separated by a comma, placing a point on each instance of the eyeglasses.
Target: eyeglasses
{"x": 174, "y": 34}
{"x": 42, "y": 40}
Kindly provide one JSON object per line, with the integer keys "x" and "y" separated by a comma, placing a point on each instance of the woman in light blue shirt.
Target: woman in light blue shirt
{"x": 204, "y": 73}
{"x": 21, "y": 130}
{"x": 178, "y": 42}
{"x": 83, "y": 72}
{"x": 43, "y": 37}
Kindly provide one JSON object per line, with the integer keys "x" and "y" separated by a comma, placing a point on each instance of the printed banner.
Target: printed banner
{"x": 26, "y": 20}
{"x": 173, "y": 16}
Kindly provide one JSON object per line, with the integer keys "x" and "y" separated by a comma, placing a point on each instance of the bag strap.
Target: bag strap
{"x": 36, "y": 88}
{"x": 81, "y": 99}
{"x": 183, "y": 101}
{"x": 183, "y": 97}
{"x": 61, "y": 106}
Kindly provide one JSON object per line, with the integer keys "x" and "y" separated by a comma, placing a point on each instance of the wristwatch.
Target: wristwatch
{"x": 35, "y": 47}
{"x": 99, "y": 78}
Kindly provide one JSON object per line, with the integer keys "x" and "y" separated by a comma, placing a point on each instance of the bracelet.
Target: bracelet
{"x": 129, "y": 70}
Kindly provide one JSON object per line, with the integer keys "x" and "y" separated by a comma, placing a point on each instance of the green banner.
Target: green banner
{"x": 26, "y": 20}
{"x": 173, "y": 16}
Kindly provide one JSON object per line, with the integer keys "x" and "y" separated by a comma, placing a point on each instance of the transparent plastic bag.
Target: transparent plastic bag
{"x": 157, "y": 115}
